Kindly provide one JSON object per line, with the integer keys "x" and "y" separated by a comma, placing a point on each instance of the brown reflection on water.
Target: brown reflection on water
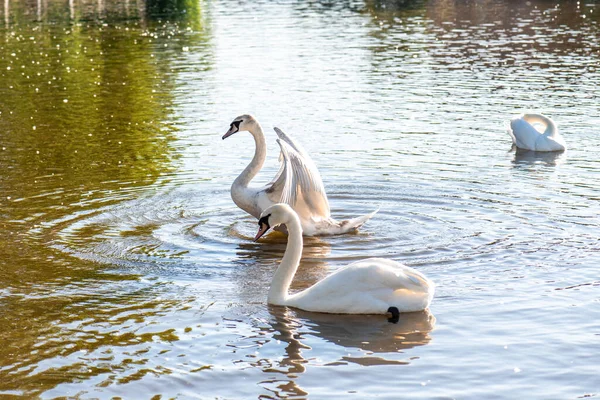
{"x": 371, "y": 333}
{"x": 69, "y": 334}
{"x": 491, "y": 34}
{"x": 80, "y": 115}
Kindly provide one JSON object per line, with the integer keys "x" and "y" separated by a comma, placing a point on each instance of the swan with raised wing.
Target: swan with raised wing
{"x": 297, "y": 183}
{"x": 371, "y": 286}
{"x": 536, "y": 132}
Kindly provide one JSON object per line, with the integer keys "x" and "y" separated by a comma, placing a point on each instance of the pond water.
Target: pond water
{"x": 128, "y": 272}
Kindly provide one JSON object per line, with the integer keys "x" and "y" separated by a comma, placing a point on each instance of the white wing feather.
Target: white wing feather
{"x": 302, "y": 182}
{"x": 296, "y": 146}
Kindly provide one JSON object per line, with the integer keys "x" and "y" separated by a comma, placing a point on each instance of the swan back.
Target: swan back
{"x": 368, "y": 286}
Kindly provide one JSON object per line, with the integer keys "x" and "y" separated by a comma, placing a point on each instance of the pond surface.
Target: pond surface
{"x": 127, "y": 271}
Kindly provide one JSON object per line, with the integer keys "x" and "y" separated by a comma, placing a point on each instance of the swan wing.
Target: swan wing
{"x": 376, "y": 273}
{"x": 295, "y": 145}
{"x": 277, "y": 183}
{"x": 302, "y": 187}
{"x": 524, "y": 135}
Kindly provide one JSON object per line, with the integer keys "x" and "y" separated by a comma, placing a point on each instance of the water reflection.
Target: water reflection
{"x": 68, "y": 331}
{"x": 530, "y": 158}
{"x": 371, "y": 333}
{"x": 373, "y": 336}
{"x": 86, "y": 120}
{"x": 88, "y": 10}
{"x": 488, "y": 42}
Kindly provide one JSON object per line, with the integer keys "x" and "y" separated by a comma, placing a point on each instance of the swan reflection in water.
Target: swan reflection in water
{"x": 380, "y": 341}
{"x": 530, "y": 158}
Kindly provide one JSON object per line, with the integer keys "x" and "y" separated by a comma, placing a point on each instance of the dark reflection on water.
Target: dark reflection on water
{"x": 372, "y": 335}
{"x": 526, "y": 157}
{"x": 126, "y": 270}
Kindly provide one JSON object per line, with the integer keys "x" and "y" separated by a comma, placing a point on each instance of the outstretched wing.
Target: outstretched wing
{"x": 301, "y": 184}
{"x": 295, "y": 145}
{"x": 277, "y": 182}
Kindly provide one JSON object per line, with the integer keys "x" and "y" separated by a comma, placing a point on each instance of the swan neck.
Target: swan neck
{"x": 260, "y": 153}
{"x": 280, "y": 285}
{"x": 551, "y": 129}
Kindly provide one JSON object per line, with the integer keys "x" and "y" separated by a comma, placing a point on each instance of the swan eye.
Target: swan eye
{"x": 236, "y": 123}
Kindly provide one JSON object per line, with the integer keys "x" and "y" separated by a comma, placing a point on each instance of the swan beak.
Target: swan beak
{"x": 230, "y": 132}
{"x": 263, "y": 228}
{"x": 233, "y": 128}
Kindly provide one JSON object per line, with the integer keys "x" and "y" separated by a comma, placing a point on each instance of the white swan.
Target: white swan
{"x": 536, "y": 132}
{"x": 298, "y": 183}
{"x": 371, "y": 286}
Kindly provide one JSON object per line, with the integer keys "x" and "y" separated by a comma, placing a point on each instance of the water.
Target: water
{"x": 127, "y": 271}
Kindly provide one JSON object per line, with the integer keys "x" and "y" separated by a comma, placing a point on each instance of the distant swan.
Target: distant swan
{"x": 536, "y": 132}
{"x": 371, "y": 286}
{"x": 298, "y": 183}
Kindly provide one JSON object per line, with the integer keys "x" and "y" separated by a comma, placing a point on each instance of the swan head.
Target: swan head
{"x": 242, "y": 123}
{"x": 273, "y": 216}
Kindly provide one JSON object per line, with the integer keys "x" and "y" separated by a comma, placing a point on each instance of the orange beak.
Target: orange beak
{"x": 263, "y": 228}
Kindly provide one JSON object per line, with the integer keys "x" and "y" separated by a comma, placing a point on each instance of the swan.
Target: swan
{"x": 371, "y": 286}
{"x": 298, "y": 183}
{"x": 536, "y": 132}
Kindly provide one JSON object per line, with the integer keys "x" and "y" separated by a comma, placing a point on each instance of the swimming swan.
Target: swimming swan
{"x": 536, "y": 132}
{"x": 298, "y": 183}
{"x": 371, "y": 286}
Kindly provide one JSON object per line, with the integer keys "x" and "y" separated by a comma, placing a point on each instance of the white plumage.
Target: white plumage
{"x": 536, "y": 132}
{"x": 369, "y": 286}
{"x": 297, "y": 183}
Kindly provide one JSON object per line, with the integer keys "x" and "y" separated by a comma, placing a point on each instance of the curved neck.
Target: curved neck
{"x": 260, "y": 153}
{"x": 278, "y": 292}
{"x": 551, "y": 130}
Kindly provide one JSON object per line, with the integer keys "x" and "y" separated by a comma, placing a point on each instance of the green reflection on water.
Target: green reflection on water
{"x": 86, "y": 120}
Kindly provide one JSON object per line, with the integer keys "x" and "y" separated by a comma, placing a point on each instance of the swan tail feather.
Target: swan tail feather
{"x": 355, "y": 223}
{"x": 333, "y": 227}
